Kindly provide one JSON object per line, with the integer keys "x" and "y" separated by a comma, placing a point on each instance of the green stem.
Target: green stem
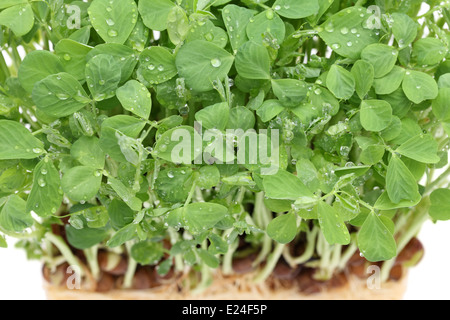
{"x": 271, "y": 263}
{"x": 443, "y": 177}
{"x": 132, "y": 266}
{"x": 309, "y": 251}
{"x": 59, "y": 243}
{"x": 227, "y": 264}
{"x": 191, "y": 194}
{"x": 174, "y": 237}
{"x": 348, "y": 254}
{"x": 420, "y": 216}
{"x": 92, "y": 259}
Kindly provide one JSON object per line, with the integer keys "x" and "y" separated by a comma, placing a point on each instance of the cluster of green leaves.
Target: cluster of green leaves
{"x": 361, "y": 102}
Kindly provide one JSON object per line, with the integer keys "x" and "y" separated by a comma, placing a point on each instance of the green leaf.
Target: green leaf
{"x": 177, "y": 25}
{"x": 9, "y": 3}
{"x": 253, "y": 61}
{"x": 209, "y": 32}
{"x": 200, "y": 217}
{"x": 173, "y": 185}
{"x": 147, "y": 253}
{"x": 16, "y": 142}
{"x": 81, "y": 183}
{"x": 422, "y": 148}
{"x": 308, "y": 174}
{"x": 125, "y": 234}
{"x": 126, "y": 125}
{"x": 209, "y": 259}
{"x": 72, "y": 55}
{"x": 376, "y": 115}
{"x": 429, "y": 51}
{"x": 14, "y": 216}
{"x": 96, "y": 217}
{"x": 419, "y": 86}
{"x": 440, "y": 206}
{"x": 391, "y": 82}
{"x": 214, "y": 117}
{"x": 125, "y": 57}
{"x": 19, "y": 18}
{"x": 209, "y": 177}
{"x": 266, "y": 22}
{"x": 3, "y": 243}
{"x": 363, "y": 73}
{"x": 385, "y": 203}
{"x": 269, "y": 110}
{"x": 201, "y": 63}
{"x": 241, "y": 118}
{"x": 285, "y": 186}
{"x": 441, "y": 105}
{"x": 155, "y": 13}
{"x": 290, "y": 92}
{"x": 401, "y": 184}
{"x": 382, "y": 57}
{"x": 103, "y": 76}
{"x": 87, "y": 151}
{"x": 236, "y": 20}
{"x": 126, "y": 194}
{"x": 283, "y": 229}
{"x": 178, "y": 145}
{"x": 114, "y": 20}
{"x": 372, "y": 155}
{"x": 86, "y": 238}
{"x": 404, "y": 29}
{"x": 345, "y": 33}
{"x": 156, "y": 65}
{"x": 46, "y": 195}
{"x": 135, "y": 98}
{"x": 296, "y": 9}
{"x": 59, "y": 95}
{"x": 341, "y": 82}
{"x": 332, "y": 225}
{"x": 120, "y": 214}
{"x": 375, "y": 241}
{"x": 36, "y": 66}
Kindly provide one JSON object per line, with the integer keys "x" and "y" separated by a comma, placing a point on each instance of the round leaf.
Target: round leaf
{"x": 16, "y": 142}
{"x": 59, "y": 95}
{"x": 81, "y": 183}
{"x": 114, "y": 20}
{"x": 201, "y": 63}
{"x": 135, "y": 98}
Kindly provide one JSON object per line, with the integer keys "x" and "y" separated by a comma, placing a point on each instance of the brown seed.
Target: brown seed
{"x": 106, "y": 283}
{"x": 283, "y": 271}
{"x": 307, "y": 284}
{"x": 142, "y": 280}
{"x": 396, "y": 273}
{"x": 112, "y": 263}
{"x": 412, "y": 254}
{"x": 243, "y": 265}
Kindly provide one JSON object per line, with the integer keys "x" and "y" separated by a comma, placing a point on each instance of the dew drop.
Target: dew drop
{"x": 216, "y": 63}
{"x": 344, "y": 30}
{"x": 112, "y": 33}
{"x": 110, "y": 22}
{"x": 67, "y": 57}
{"x": 41, "y": 183}
{"x": 336, "y": 46}
{"x": 37, "y": 150}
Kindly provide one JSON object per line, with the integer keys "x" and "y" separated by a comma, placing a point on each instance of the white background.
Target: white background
{"x": 21, "y": 279}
